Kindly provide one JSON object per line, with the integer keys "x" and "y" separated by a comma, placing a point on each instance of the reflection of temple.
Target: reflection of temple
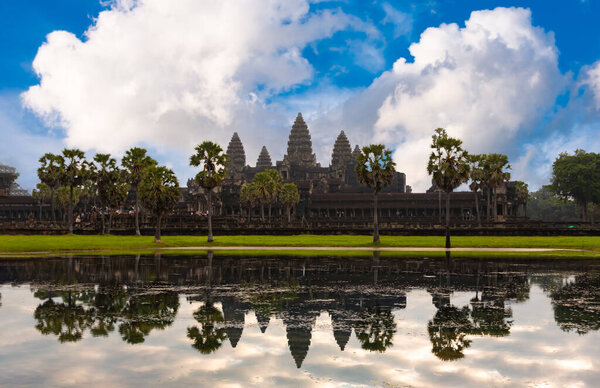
{"x": 334, "y": 193}
{"x": 359, "y": 294}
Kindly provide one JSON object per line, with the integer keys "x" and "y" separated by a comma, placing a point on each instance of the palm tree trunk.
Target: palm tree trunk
{"x": 375, "y": 223}
{"x": 525, "y": 209}
{"x": 70, "y": 214}
{"x": 477, "y": 207}
{"x": 157, "y": 230}
{"x": 289, "y": 214}
{"x": 110, "y": 215}
{"x": 52, "y": 189}
{"x": 137, "y": 211}
{"x": 495, "y": 205}
{"x": 269, "y": 212}
{"x": 249, "y": 212}
{"x": 448, "y": 220}
{"x": 262, "y": 212}
{"x": 103, "y": 223}
{"x": 210, "y": 233}
{"x": 439, "y": 206}
{"x": 488, "y": 209}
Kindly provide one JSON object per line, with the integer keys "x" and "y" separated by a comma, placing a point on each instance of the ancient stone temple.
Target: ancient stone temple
{"x": 332, "y": 192}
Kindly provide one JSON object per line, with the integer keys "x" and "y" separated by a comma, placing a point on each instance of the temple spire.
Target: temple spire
{"x": 235, "y": 150}
{"x": 342, "y": 152}
{"x": 264, "y": 159}
{"x": 299, "y": 150}
{"x": 356, "y": 152}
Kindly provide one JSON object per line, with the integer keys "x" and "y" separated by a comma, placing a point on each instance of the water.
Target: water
{"x": 283, "y": 321}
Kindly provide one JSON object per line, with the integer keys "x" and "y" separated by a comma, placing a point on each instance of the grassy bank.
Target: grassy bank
{"x": 67, "y": 243}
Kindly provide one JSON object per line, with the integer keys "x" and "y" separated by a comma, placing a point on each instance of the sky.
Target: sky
{"x": 514, "y": 77}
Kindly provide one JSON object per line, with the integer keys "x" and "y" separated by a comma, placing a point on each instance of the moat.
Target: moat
{"x": 214, "y": 320}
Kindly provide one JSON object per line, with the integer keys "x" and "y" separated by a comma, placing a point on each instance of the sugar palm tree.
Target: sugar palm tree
{"x": 249, "y": 196}
{"x": 375, "y": 169}
{"x": 477, "y": 177}
{"x": 159, "y": 190}
{"x": 49, "y": 174}
{"x": 73, "y": 173}
{"x": 495, "y": 176}
{"x": 268, "y": 184}
{"x": 136, "y": 162}
{"x": 289, "y": 197}
{"x": 213, "y": 163}
{"x": 449, "y": 166}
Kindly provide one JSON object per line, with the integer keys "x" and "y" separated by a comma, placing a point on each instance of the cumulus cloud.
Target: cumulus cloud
{"x": 171, "y": 74}
{"x": 486, "y": 83}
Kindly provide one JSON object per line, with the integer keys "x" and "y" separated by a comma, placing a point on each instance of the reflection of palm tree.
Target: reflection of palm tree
{"x": 490, "y": 317}
{"x": 375, "y": 329}
{"x": 448, "y": 330}
{"x": 210, "y": 336}
{"x": 68, "y": 320}
{"x": 143, "y": 313}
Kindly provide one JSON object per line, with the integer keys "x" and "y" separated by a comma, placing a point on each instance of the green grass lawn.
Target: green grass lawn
{"x": 21, "y": 243}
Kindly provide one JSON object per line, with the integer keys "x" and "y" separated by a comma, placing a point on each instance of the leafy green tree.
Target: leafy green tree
{"x": 546, "y": 206}
{"x": 495, "y": 166}
{"x": 577, "y": 176}
{"x": 136, "y": 162}
{"x": 213, "y": 163}
{"x": 160, "y": 192}
{"x": 289, "y": 197}
{"x": 50, "y": 174}
{"x": 73, "y": 173}
{"x": 449, "y": 166}
{"x": 249, "y": 195}
{"x": 523, "y": 195}
{"x": 63, "y": 197}
{"x": 105, "y": 169}
{"x": 375, "y": 169}
{"x": 42, "y": 195}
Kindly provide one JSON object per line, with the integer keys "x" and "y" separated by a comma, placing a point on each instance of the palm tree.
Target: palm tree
{"x": 73, "y": 173}
{"x": 104, "y": 168}
{"x": 49, "y": 174}
{"x": 213, "y": 161}
{"x": 42, "y": 194}
{"x": 289, "y": 197}
{"x": 375, "y": 169}
{"x": 268, "y": 184}
{"x": 249, "y": 196}
{"x": 449, "y": 166}
{"x": 160, "y": 192}
{"x": 495, "y": 164}
{"x": 136, "y": 162}
{"x": 523, "y": 195}
{"x": 477, "y": 177}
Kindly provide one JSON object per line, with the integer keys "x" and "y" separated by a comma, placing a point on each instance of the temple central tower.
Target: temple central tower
{"x": 299, "y": 151}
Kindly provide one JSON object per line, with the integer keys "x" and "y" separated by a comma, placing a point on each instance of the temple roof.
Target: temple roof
{"x": 299, "y": 149}
{"x": 235, "y": 150}
{"x": 264, "y": 159}
{"x": 342, "y": 152}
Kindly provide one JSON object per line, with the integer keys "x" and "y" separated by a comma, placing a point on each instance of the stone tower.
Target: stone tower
{"x": 299, "y": 151}
{"x": 342, "y": 152}
{"x": 264, "y": 159}
{"x": 356, "y": 152}
{"x": 237, "y": 156}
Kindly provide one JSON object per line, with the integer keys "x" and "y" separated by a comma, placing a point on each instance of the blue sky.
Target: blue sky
{"x": 103, "y": 85}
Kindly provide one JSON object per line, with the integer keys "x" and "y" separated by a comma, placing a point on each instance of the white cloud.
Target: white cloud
{"x": 402, "y": 21}
{"x": 171, "y": 74}
{"x": 486, "y": 83}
